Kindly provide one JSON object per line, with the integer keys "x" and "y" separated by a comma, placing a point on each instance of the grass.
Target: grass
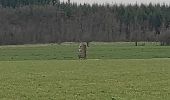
{"x": 121, "y": 79}
{"x": 52, "y": 72}
{"x": 95, "y": 51}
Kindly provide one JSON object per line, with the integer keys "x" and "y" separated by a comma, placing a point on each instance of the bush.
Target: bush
{"x": 165, "y": 38}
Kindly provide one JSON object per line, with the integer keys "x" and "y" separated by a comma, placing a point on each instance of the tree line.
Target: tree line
{"x": 20, "y": 3}
{"x": 51, "y": 21}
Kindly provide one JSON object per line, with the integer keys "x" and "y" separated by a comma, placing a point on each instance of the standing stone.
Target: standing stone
{"x": 82, "y": 51}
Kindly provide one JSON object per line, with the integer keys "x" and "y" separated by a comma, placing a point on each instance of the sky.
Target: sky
{"x": 120, "y": 1}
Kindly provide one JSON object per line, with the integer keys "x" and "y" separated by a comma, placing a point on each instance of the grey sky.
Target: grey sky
{"x": 120, "y": 1}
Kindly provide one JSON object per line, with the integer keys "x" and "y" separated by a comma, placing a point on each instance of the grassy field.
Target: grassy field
{"x": 112, "y": 70}
{"x": 95, "y": 51}
{"x": 85, "y": 80}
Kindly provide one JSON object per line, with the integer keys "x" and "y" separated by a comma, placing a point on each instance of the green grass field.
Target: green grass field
{"x": 112, "y": 70}
{"x": 95, "y": 51}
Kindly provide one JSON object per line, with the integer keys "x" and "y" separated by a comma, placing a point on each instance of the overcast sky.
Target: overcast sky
{"x": 120, "y": 1}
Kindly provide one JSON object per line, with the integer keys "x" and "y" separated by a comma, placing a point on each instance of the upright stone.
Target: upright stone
{"x": 82, "y": 51}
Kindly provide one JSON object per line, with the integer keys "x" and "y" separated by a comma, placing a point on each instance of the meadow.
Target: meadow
{"x": 113, "y": 71}
{"x": 68, "y": 51}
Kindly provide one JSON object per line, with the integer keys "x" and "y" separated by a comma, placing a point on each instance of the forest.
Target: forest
{"x": 52, "y": 21}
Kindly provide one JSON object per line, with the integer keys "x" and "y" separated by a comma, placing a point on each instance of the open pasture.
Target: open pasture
{"x": 113, "y": 71}
{"x": 68, "y": 51}
{"x": 85, "y": 80}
